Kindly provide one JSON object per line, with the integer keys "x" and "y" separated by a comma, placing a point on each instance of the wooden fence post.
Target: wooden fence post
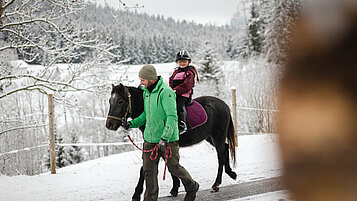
{"x": 51, "y": 116}
{"x": 234, "y": 107}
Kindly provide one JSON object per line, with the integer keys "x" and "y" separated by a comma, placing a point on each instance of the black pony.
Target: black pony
{"x": 128, "y": 102}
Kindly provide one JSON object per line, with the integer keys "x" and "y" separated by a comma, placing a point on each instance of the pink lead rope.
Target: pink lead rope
{"x": 155, "y": 150}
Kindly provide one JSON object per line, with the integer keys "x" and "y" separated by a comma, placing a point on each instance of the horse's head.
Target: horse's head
{"x": 119, "y": 107}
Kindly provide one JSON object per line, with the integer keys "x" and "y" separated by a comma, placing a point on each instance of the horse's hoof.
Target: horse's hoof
{"x": 135, "y": 199}
{"x": 233, "y": 175}
{"x": 174, "y": 193}
{"x": 215, "y": 189}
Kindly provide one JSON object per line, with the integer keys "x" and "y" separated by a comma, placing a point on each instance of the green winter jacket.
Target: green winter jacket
{"x": 159, "y": 116}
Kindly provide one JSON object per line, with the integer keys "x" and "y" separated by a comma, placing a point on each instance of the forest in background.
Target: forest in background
{"x": 135, "y": 38}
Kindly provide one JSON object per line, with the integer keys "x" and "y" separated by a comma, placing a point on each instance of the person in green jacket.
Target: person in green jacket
{"x": 160, "y": 119}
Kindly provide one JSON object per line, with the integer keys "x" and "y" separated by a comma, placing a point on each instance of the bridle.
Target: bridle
{"x": 127, "y": 112}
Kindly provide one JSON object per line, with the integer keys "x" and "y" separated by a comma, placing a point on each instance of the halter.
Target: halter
{"x": 127, "y": 112}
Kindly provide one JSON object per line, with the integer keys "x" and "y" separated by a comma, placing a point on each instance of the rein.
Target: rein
{"x": 127, "y": 112}
{"x": 155, "y": 150}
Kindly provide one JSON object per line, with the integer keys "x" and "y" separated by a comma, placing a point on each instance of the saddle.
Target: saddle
{"x": 196, "y": 114}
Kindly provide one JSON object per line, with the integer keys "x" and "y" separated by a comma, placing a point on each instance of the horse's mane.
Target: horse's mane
{"x": 119, "y": 89}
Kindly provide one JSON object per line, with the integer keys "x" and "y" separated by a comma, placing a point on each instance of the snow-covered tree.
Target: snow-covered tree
{"x": 75, "y": 154}
{"x": 65, "y": 155}
{"x": 209, "y": 69}
{"x": 5, "y": 64}
{"x": 61, "y": 155}
{"x": 281, "y": 15}
{"x": 46, "y": 32}
{"x": 255, "y": 30}
{"x": 232, "y": 47}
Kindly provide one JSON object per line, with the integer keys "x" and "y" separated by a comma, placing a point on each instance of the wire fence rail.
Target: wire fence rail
{"x": 241, "y": 129}
{"x": 112, "y": 143}
{"x": 257, "y": 109}
{"x": 70, "y": 145}
{"x": 24, "y": 149}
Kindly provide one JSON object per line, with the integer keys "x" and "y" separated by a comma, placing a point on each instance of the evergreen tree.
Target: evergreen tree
{"x": 75, "y": 154}
{"x": 122, "y": 47}
{"x": 61, "y": 159}
{"x": 209, "y": 69}
{"x": 229, "y": 47}
{"x": 281, "y": 16}
{"x": 233, "y": 46}
{"x": 255, "y": 30}
{"x": 65, "y": 155}
{"x": 61, "y": 154}
{"x": 170, "y": 49}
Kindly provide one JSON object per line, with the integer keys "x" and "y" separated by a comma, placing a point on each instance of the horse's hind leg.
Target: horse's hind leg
{"x": 227, "y": 167}
{"x": 139, "y": 187}
{"x": 221, "y": 161}
{"x": 175, "y": 185}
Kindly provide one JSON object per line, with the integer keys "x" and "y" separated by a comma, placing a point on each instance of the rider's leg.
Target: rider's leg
{"x": 181, "y": 113}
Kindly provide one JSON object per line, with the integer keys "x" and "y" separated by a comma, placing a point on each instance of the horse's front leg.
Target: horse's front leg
{"x": 139, "y": 187}
{"x": 175, "y": 185}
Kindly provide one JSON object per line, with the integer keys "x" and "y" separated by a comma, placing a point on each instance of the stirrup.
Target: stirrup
{"x": 182, "y": 131}
{"x": 184, "y": 127}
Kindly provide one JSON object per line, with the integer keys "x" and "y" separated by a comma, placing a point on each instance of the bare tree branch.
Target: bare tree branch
{"x": 56, "y": 38}
{"x": 80, "y": 43}
{"x": 16, "y": 47}
{"x": 26, "y": 15}
{"x": 8, "y": 4}
{"x": 21, "y": 128}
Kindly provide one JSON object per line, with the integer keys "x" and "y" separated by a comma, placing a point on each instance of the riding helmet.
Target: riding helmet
{"x": 183, "y": 55}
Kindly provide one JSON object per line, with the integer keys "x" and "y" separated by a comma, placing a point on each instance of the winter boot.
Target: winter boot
{"x": 182, "y": 127}
{"x": 182, "y": 123}
{"x": 191, "y": 195}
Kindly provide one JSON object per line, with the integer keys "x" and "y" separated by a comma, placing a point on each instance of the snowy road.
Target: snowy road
{"x": 235, "y": 191}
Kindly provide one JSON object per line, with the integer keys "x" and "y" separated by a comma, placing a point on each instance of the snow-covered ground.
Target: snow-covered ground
{"x": 115, "y": 177}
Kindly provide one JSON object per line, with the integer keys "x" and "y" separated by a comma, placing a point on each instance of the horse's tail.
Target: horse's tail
{"x": 232, "y": 140}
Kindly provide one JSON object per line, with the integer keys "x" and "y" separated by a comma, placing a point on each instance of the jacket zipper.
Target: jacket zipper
{"x": 150, "y": 118}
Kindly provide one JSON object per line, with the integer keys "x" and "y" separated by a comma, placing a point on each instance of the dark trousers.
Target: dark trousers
{"x": 173, "y": 165}
{"x": 181, "y": 109}
{"x": 180, "y": 103}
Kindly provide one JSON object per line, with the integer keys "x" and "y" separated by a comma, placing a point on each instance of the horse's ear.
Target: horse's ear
{"x": 112, "y": 86}
{"x": 121, "y": 86}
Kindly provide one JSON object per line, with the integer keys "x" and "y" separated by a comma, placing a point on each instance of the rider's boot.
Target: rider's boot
{"x": 182, "y": 124}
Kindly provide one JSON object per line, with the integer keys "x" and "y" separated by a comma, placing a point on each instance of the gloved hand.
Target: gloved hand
{"x": 126, "y": 125}
{"x": 162, "y": 144}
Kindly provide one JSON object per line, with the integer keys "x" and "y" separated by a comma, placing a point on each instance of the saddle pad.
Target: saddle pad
{"x": 197, "y": 115}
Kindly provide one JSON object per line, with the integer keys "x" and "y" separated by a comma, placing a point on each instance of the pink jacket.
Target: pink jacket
{"x": 182, "y": 81}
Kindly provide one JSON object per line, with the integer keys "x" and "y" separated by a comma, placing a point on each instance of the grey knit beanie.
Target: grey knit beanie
{"x": 148, "y": 72}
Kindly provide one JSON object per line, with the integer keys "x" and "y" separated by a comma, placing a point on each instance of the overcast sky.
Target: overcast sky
{"x": 218, "y": 12}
